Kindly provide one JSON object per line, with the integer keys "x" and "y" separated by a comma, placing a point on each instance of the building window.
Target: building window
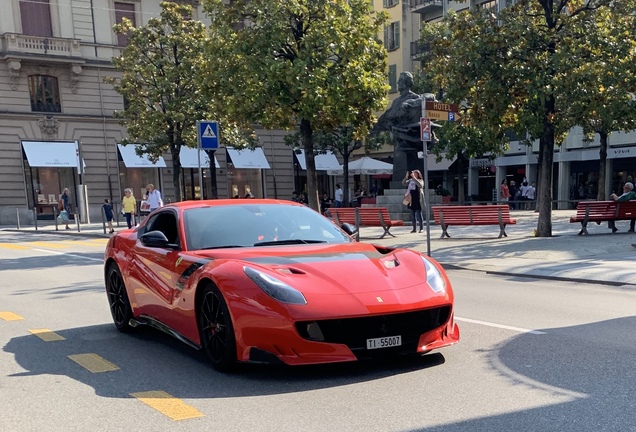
{"x": 36, "y": 18}
{"x": 392, "y": 36}
{"x": 393, "y": 78}
{"x": 45, "y": 93}
{"x": 124, "y": 10}
{"x": 390, "y": 3}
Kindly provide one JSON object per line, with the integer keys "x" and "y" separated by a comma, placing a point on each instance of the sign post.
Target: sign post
{"x": 425, "y": 123}
{"x": 432, "y": 110}
{"x": 207, "y": 139}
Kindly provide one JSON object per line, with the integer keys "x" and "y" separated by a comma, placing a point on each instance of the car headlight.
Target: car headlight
{"x": 433, "y": 277}
{"x": 274, "y": 288}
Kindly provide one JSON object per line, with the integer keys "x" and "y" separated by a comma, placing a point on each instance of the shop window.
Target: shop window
{"x": 392, "y": 36}
{"x": 393, "y": 78}
{"x": 45, "y": 93}
{"x": 124, "y": 10}
{"x": 35, "y": 16}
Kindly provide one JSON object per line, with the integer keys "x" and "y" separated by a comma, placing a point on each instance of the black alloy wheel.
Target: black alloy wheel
{"x": 215, "y": 329}
{"x": 118, "y": 299}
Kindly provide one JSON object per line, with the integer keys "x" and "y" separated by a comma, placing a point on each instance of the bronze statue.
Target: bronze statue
{"x": 402, "y": 119}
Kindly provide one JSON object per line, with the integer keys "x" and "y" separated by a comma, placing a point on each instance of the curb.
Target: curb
{"x": 62, "y": 233}
{"x": 449, "y": 266}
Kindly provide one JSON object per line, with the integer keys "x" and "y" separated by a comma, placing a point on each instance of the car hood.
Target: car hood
{"x": 348, "y": 268}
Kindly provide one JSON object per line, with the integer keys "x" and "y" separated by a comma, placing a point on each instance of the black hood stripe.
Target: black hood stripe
{"x": 314, "y": 258}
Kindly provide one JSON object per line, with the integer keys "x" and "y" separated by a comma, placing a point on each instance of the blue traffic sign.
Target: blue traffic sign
{"x": 208, "y": 134}
{"x": 451, "y": 116}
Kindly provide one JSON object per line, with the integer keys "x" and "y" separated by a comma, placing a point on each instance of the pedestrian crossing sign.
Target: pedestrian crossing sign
{"x": 208, "y": 134}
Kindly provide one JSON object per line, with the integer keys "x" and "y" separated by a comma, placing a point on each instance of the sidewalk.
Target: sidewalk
{"x": 599, "y": 257}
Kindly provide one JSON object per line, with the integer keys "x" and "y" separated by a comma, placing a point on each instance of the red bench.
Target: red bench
{"x": 364, "y": 216}
{"x": 446, "y": 216}
{"x": 601, "y": 211}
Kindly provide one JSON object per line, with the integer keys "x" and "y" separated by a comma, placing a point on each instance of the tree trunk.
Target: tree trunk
{"x": 176, "y": 171}
{"x": 602, "y": 169}
{"x": 214, "y": 193}
{"x": 461, "y": 166}
{"x": 312, "y": 179}
{"x": 543, "y": 193}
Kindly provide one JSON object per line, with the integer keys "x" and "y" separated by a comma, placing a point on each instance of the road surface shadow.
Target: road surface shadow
{"x": 150, "y": 360}
{"x": 592, "y": 364}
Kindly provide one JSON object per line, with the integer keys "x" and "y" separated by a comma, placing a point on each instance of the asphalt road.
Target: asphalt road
{"x": 534, "y": 356}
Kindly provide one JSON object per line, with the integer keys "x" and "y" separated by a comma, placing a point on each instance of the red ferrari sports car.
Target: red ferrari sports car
{"x": 274, "y": 281}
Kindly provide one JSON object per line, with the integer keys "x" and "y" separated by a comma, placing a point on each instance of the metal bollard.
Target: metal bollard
{"x": 35, "y": 217}
{"x": 55, "y": 218}
{"x": 17, "y": 215}
{"x": 77, "y": 219}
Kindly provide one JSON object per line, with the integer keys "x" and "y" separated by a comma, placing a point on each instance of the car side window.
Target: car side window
{"x": 166, "y": 222}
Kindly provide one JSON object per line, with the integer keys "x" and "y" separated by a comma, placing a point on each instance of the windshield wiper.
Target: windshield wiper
{"x": 222, "y": 247}
{"x": 288, "y": 242}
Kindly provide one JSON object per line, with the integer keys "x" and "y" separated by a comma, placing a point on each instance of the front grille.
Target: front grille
{"x": 354, "y": 332}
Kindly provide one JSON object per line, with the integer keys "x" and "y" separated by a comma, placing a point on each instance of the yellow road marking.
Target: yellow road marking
{"x": 10, "y": 316}
{"x": 12, "y": 246}
{"x": 87, "y": 243}
{"x": 47, "y": 335}
{"x": 168, "y": 405}
{"x": 48, "y": 245}
{"x": 93, "y": 362}
{"x": 97, "y": 241}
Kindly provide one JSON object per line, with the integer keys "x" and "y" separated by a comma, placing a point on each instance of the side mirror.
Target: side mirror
{"x": 156, "y": 239}
{"x": 348, "y": 228}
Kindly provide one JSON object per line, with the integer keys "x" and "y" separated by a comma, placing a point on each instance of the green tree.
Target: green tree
{"x": 312, "y": 64}
{"x": 602, "y": 79}
{"x": 165, "y": 90}
{"x": 342, "y": 140}
{"x": 511, "y": 68}
{"x": 463, "y": 141}
{"x": 159, "y": 82}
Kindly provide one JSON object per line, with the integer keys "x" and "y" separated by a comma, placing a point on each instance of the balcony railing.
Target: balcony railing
{"x": 426, "y": 6}
{"x": 17, "y": 44}
{"x": 417, "y": 49}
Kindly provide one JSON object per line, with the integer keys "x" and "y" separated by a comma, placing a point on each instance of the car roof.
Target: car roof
{"x": 184, "y": 205}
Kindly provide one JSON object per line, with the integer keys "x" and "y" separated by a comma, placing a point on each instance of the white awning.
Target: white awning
{"x": 189, "y": 158}
{"x": 131, "y": 160}
{"x": 247, "y": 158}
{"x": 324, "y": 162}
{"x": 52, "y": 153}
{"x": 365, "y": 166}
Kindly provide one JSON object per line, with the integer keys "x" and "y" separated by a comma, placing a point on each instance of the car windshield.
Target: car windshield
{"x": 246, "y": 225}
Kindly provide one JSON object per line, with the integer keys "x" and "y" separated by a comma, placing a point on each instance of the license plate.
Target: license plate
{"x": 384, "y": 342}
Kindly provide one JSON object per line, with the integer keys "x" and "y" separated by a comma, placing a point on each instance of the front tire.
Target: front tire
{"x": 215, "y": 329}
{"x": 118, "y": 299}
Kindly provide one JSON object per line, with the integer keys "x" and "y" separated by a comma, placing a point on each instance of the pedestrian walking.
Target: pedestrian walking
{"x": 414, "y": 196}
{"x": 513, "y": 194}
{"x": 531, "y": 195}
{"x": 64, "y": 208}
{"x": 128, "y": 207}
{"x": 153, "y": 197}
{"x": 338, "y": 196}
{"x": 504, "y": 192}
{"x": 108, "y": 214}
